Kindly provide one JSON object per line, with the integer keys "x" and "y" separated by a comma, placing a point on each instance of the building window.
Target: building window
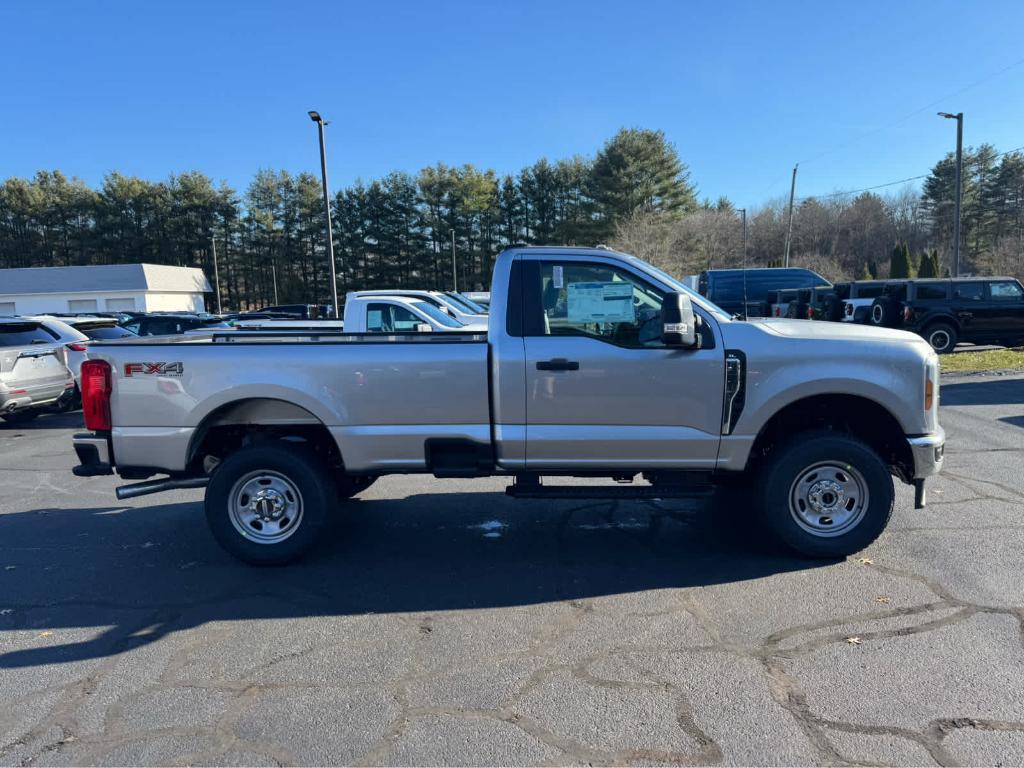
{"x": 7, "y": 308}
{"x": 82, "y": 305}
{"x": 120, "y": 305}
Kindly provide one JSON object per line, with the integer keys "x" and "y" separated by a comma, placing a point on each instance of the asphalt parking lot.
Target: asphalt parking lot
{"x": 444, "y": 623}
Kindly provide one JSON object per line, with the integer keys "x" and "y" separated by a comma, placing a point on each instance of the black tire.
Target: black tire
{"x": 349, "y": 485}
{"x": 296, "y": 478}
{"x": 832, "y": 309}
{"x": 941, "y": 336}
{"x": 19, "y": 417}
{"x": 844, "y": 476}
{"x": 884, "y": 312}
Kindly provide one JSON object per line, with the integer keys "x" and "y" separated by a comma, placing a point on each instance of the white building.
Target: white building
{"x": 102, "y": 288}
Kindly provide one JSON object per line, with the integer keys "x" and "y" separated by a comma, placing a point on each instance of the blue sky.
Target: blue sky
{"x": 744, "y": 90}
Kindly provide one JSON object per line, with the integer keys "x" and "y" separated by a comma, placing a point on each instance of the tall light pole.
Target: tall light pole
{"x": 743, "y": 213}
{"x": 455, "y": 278}
{"x": 959, "y": 117}
{"x": 315, "y": 117}
{"x": 216, "y": 272}
{"x": 789, "y": 231}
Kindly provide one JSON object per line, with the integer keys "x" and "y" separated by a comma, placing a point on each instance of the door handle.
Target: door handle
{"x": 558, "y": 364}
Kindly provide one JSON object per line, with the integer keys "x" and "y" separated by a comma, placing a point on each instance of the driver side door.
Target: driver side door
{"x": 602, "y": 391}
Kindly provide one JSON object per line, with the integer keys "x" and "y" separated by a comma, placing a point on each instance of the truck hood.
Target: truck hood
{"x": 826, "y": 331}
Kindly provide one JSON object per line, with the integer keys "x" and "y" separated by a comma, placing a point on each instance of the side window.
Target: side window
{"x": 870, "y": 291}
{"x": 599, "y": 301}
{"x": 969, "y": 291}
{"x": 927, "y": 291}
{"x": 404, "y": 320}
{"x": 378, "y": 318}
{"x": 1005, "y": 291}
{"x": 133, "y": 326}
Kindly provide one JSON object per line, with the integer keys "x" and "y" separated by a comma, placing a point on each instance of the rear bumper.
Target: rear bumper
{"x": 928, "y": 452}
{"x": 93, "y": 455}
{"x": 18, "y": 398}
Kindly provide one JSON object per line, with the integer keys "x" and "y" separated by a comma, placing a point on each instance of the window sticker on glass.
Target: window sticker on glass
{"x": 601, "y": 303}
{"x": 557, "y": 276}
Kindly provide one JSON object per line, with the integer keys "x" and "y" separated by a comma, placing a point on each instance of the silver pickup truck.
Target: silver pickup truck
{"x": 595, "y": 364}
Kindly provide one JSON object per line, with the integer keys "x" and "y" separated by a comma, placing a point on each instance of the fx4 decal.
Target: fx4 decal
{"x": 160, "y": 369}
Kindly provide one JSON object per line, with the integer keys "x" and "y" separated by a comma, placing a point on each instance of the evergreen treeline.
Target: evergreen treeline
{"x": 397, "y": 231}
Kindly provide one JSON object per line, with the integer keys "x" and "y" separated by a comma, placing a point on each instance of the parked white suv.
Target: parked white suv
{"x": 33, "y": 375}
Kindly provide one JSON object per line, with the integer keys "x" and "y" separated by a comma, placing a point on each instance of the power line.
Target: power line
{"x": 916, "y": 112}
{"x": 844, "y": 193}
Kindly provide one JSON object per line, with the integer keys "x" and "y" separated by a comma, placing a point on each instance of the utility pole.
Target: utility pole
{"x": 743, "y": 212}
{"x": 789, "y": 231}
{"x": 216, "y": 272}
{"x": 959, "y": 117}
{"x": 315, "y": 117}
{"x": 455, "y": 278}
{"x": 273, "y": 272}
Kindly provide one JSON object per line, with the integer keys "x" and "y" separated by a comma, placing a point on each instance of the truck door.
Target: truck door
{"x": 601, "y": 389}
{"x": 1005, "y": 310}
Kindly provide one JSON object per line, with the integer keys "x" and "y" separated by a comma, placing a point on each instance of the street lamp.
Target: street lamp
{"x": 959, "y": 117}
{"x": 315, "y": 117}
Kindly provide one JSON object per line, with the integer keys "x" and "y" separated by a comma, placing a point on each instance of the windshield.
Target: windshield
{"x": 24, "y": 334}
{"x": 467, "y": 305}
{"x": 441, "y": 317}
{"x": 701, "y": 301}
{"x": 107, "y": 332}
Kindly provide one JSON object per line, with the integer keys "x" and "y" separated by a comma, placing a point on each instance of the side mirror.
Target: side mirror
{"x": 423, "y": 328}
{"x": 678, "y": 323}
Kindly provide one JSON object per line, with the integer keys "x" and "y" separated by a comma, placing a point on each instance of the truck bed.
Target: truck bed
{"x": 381, "y": 397}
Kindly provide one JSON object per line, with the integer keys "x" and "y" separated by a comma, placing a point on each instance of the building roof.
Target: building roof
{"x": 103, "y": 277}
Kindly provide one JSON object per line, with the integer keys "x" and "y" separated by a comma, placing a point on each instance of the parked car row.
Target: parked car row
{"x": 944, "y": 311}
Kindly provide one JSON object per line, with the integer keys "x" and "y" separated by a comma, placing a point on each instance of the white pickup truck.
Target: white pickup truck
{"x": 594, "y": 364}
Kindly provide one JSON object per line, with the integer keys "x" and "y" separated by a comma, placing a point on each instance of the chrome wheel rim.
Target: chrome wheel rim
{"x": 265, "y": 507}
{"x": 939, "y": 339}
{"x": 828, "y": 499}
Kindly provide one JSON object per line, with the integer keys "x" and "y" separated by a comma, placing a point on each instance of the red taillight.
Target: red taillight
{"x": 810, "y": 313}
{"x": 77, "y": 347}
{"x": 849, "y": 309}
{"x": 96, "y": 395}
{"x": 907, "y": 314}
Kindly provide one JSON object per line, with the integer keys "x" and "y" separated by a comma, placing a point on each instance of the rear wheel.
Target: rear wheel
{"x": 826, "y": 495}
{"x": 942, "y": 337}
{"x": 267, "y": 504}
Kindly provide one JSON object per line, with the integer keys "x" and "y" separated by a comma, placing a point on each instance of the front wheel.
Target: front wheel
{"x": 826, "y": 495}
{"x": 267, "y": 504}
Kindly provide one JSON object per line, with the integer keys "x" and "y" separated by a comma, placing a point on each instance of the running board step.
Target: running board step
{"x": 537, "y": 491}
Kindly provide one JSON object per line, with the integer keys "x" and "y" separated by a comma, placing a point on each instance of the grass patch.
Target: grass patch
{"x": 992, "y": 360}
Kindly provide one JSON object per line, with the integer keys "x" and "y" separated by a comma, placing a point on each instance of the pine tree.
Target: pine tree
{"x": 898, "y": 266}
{"x": 638, "y": 169}
{"x": 926, "y": 267}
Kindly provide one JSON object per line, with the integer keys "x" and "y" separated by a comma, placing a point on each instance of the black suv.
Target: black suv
{"x": 979, "y": 310}
{"x": 170, "y": 323}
